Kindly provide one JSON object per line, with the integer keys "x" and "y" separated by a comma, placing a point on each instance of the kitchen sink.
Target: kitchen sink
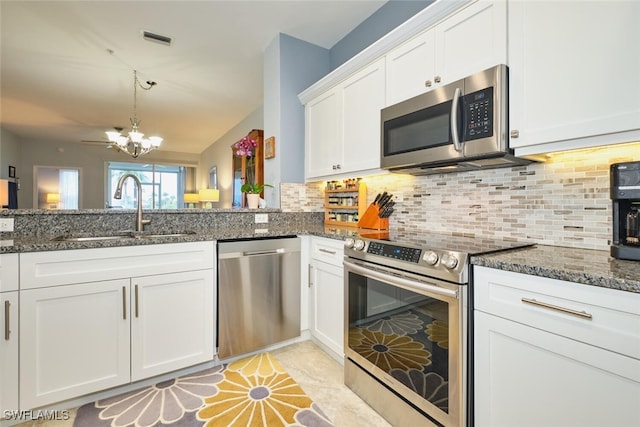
{"x": 155, "y": 235}
{"x": 120, "y": 236}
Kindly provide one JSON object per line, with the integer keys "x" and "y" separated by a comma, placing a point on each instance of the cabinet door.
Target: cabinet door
{"x": 327, "y": 324}
{"x": 9, "y": 351}
{"x": 363, "y": 95}
{"x": 74, "y": 340}
{"x": 172, "y": 324}
{"x": 528, "y": 377}
{"x": 574, "y": 71}
{"x": 472, "y": 40}
{"x": 410, "y": 68}
{"x": 323, "y": 135}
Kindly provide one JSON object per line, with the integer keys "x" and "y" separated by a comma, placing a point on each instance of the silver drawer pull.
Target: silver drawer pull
{"x": 582, "y": 314}
{"x": 7, "y": 319}
{"x": 327, "y": 251}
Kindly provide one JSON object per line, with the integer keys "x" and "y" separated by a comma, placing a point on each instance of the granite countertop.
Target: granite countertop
{"x": 586, "y": 266}
{"x": 37, "y": 243}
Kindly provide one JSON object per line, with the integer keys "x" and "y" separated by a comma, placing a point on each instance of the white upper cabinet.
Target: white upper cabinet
{"x": 323, "y": 144}
{"x": 362, "y": 99}
{"x": 471, "y": 40}
{"x": 410, "y": 68}
{"x": 343, "y": 125}
{"x": 574, "y": 71}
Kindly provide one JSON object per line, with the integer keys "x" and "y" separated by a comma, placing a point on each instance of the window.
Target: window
{"x": 56, "y": 187}
{"x": 163, "y": 186}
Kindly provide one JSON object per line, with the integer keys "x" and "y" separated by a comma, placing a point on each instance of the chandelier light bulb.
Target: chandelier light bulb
{"x": 136, "y": 136}
{"x": 155, "y": 141}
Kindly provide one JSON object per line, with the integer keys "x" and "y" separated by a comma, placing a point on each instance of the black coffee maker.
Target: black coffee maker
{"x": 625, "y": 195}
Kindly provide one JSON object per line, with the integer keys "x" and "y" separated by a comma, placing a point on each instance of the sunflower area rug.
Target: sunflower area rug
{"x": 255, "y": 391}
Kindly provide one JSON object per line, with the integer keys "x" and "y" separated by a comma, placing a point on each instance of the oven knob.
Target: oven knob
{"x": 348, "y": 242}
{"x": 449, "y": 261}
{"x": 430, "y": 257}
{"x": 358, "y": 245}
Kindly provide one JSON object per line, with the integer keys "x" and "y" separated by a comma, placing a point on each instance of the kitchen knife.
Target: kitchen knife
{"x": 382, "y": 197}
{"x": 375, "y": 201}
{"x": 383, "y": 201}
{"x": 386, "y": 212}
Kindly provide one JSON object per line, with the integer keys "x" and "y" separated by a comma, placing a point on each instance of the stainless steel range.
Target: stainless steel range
{"x": 407, "y": 323}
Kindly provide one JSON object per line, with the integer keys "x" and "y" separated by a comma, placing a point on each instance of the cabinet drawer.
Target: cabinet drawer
{"x": 41, "y": 269}
{"x": 327, "y": 250}
{"x": 8, "y": 272}
{"x": 598, "y": 316}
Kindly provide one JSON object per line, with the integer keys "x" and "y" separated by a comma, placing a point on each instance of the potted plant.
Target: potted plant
{"x": 253, "y": 193}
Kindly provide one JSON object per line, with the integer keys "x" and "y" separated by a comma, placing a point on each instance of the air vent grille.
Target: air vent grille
{"x": 158, "y": 38}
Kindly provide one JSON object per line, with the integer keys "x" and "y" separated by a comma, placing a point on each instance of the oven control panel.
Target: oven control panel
{"x": 396, "y": 252}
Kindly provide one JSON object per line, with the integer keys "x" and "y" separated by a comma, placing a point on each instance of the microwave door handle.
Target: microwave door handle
{"x": 454, "y": 121}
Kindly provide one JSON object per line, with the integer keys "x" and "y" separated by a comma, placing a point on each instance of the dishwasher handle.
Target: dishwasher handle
{"x": 268, "y": 252}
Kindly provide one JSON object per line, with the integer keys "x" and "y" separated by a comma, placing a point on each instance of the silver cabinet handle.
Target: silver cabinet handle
{"x": 427, "y": 83}
{"x": 7, "y": 320}
{"x": 269, "y": 252}
{"x": 309, "y": 281}
{"x": 124, "y": 303}
{"x": 454, "y": 120}
{"x": 437, "y": 79}
{"x": 515, "y": 133}
{"x": 327, "y": 251}
{"x": 136, "y": 296}
{"x": 582, "y": 314}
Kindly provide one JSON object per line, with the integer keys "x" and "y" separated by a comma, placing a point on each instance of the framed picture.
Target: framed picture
{"x": 12, "y": 171}
{"x": 270, "y": 147}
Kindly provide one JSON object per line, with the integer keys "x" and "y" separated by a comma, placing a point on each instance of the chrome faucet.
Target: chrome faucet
{"x": 140, "y": 223}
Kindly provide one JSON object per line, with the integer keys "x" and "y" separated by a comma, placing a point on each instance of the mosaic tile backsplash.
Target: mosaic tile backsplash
{"x": 562, "y": 202}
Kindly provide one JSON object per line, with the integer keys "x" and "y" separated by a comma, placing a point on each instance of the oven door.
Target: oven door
{"x": 408, "y": 333}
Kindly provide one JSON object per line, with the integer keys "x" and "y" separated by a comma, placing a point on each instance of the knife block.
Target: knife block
{"x": 371, "y": 220}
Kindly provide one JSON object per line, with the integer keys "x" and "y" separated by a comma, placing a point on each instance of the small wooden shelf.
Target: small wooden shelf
{"x": 347, "y": 205}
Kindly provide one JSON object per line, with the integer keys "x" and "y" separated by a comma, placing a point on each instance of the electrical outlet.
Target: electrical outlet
{"x": 302, "y": 194}
{"x": 398, "y": 197}
{"x": 6, "y": 224}
{"x": 262, "y": 218}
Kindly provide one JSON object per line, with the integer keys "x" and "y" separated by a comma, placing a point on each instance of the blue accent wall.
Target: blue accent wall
{"x": 383, "y": 20}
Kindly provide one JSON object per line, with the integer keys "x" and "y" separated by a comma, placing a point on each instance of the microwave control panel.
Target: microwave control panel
{"x": 478, "y": 114}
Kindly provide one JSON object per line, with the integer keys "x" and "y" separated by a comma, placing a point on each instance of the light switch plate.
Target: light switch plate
{"x": 262, "y": 218}
{"x": 6, "y": 224}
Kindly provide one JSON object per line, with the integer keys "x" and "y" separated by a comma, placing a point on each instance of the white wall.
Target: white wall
{"x": 91, "y": 159}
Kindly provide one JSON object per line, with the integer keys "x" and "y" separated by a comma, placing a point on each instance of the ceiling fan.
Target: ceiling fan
{"x": 101, "y": 141}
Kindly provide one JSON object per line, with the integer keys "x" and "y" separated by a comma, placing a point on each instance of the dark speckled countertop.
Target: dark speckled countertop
{"x": 589, "y": 267}
{"x": 37, "y": 243}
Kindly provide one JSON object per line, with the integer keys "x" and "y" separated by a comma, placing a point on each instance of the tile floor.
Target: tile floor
{"x": 319, "y": 375}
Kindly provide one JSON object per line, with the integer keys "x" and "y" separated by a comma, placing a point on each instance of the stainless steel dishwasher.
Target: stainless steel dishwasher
{"x": 258, "y": 293}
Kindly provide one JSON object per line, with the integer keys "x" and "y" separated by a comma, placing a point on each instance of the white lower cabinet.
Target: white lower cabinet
{"x": 9, "y": 333}
{"x": 572, "y": 362}
{"x": 327, "y": 294}
{"x": 9, "y": 351}
{"x": 79, "y": 337}
{"x": 74, "y": 341}
{"x": 171, "y": 322}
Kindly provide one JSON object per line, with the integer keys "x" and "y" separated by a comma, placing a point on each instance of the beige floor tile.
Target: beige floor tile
{"x": 320, "y": 376}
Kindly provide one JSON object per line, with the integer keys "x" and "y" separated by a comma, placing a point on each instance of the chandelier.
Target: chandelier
{"x": 135, "y": 144}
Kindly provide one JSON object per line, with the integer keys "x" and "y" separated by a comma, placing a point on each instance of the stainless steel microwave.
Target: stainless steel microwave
{"x": 459, "y": 126}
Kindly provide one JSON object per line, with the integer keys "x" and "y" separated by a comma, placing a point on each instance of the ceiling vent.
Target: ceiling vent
{"x": 157, "y": 38}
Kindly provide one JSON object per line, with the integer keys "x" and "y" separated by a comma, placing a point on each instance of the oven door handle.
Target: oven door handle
{"x": 400, "y": 281}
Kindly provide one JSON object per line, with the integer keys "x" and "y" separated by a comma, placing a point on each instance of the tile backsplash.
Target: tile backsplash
{"x": 562, "y": 202}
